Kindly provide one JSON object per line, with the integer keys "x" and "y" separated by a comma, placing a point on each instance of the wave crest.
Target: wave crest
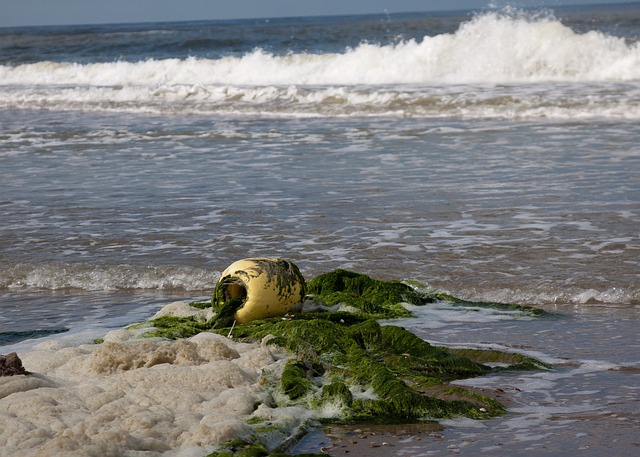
{"x": 55, "y": 276}
{"x": 496, "y": 47}
{"x": 167, "y": 278}
{"x": 550, "y": 295}
{"x": 496, "y": 65}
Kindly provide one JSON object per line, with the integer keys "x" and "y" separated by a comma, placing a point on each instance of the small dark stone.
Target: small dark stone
{"x": 11, "y": 365}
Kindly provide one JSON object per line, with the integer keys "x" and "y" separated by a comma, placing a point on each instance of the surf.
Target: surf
{"x": 497, "y": 47}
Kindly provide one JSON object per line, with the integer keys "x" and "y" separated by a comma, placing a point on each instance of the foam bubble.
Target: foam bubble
{"x": 131, "y": 395}
{"x": 183, "y": 309}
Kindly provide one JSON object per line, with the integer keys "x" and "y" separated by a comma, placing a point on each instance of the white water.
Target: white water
{"x": 107, "y": 215}
{"x": 492, "y": 48}
{"x": 442, "y": 75}
{"x": 133, "y": 396}
{"x": 57, "y": 276}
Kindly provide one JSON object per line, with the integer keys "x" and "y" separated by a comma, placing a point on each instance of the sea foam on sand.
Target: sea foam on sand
{"x": 137, "y": 396}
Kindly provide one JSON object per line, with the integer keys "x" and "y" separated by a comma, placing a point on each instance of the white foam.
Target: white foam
{"x": 494, "y": 47}
{"x": 442, "y": 314}
{"x": 553, "y": 295}
{"x": 90, "y": 277}
{"x": 131, "y": 395}
{"x": 183, "y": 309}
{"x": 371, "y": 79}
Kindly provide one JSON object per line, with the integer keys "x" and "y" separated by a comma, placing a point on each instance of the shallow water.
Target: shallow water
{"x": 532, "y": 211}
{"x": 588, "y": 404}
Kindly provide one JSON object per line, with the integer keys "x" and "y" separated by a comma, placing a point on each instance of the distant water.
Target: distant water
{"x": 493, "y": 154}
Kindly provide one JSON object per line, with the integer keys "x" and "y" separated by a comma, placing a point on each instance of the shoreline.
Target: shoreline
{"x": 370, "y": 440}
{"x": 383, "y": 440}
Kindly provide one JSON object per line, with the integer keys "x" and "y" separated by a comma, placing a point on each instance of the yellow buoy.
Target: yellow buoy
{"x": 261, "y": 287}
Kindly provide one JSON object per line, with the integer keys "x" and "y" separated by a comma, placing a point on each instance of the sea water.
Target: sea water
{"x": 491, "y": 154}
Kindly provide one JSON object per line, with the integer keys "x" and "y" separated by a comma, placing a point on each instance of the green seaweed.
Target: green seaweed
{"x": 254, "y": 420}
{"x": 524, "y": 309}
{"x": 365, "y": 297}
{"x": 240, "y": 448}
{"x": 337, "y": 392}
{"x": 507, "y": 360}
{"x": 385, "y": 299}
{"x": 294, "y": 380}
{"x": 400, "y": 368}
{"x": 405, "y": 372}
{"x": 378, "y": 299}
{"x": 337, "y": 356}
{"x": 173, "y": 327}
{"x": 225, "y": 312}
{"x": 201, "y": 304}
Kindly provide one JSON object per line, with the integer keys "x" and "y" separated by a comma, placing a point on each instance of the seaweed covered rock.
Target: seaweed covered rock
{"x": 361, "y": 292}
{"x": 345, "y": 296}
{"x": 343, "y": 356}
{"x": 386, "y": 299}
{"x": 394, "y": 366}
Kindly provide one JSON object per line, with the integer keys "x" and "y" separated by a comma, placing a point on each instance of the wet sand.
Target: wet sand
{"x": 371, "y": 440}
{"x": 385, "y": 440}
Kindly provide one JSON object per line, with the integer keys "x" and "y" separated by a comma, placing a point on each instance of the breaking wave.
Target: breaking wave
{"x": 166, "y": 278}
{"x": 554, "y": 295}
{"x": 440, "y": 75}
{"x": 56, "y": 276}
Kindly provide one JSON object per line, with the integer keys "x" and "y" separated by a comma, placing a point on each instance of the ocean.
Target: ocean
{"x": 491, "y": 154}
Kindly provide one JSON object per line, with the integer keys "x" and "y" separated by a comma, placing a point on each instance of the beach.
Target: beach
{"x": 490, "y": 155}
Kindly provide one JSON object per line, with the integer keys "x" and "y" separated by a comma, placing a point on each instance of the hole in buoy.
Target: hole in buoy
{"x": 233, "y": 290}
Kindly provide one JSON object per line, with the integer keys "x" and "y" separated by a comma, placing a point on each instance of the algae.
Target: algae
{"x": 524, "y": 309}
{"x": 385, "y": 299}
{"x": 343, "y": 356}
{"x": 294, "y": 381}
{"x": 396, "y": 365}
{"x": 225, "y": 311}
{"x": 504, "y": 360}
{"x": 338, "y": 350}
{"x": 201, "y": 304}
{"x": 378, "y": 299}
{"x": 362, "y": 296}
{"x": 240, "y": 448}
{"x": 173, "y": 327}
{"x": 338, "y": 393}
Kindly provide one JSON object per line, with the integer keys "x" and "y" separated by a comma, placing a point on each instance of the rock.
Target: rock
{"x": 11, "y": 365}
